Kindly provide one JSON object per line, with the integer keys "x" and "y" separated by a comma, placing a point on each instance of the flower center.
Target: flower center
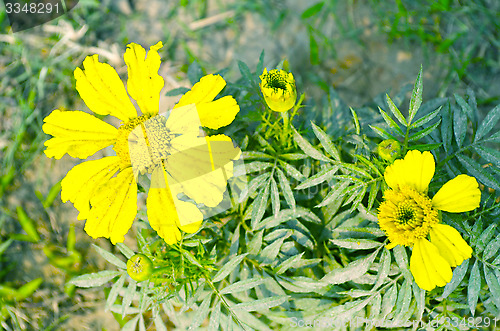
{"x": 406, "y": 215}
{"x": 276, "y": 80}
{"x": 143, "y": 142}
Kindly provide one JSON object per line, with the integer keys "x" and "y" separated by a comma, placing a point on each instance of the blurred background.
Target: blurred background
{"x": 358, "y": 50}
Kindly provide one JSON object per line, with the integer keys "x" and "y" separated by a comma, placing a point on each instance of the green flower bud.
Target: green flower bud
{"x": 139, "y": 267}
{"x": 278, "y": 88}
{"x": 389, "y": 150}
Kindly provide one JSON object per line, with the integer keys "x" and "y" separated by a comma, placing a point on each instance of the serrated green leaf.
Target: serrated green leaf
{"x": 94, "y": 279}
{"x": 251, "y": 155}
{"x": 486, "y": 237}
{"x": 356, "y": 120}
{"x": 385, "y": 263}
{"x": 395, "y": 111}
{"x": 194, "y": 73}
{"x": 334, "y": 194}
{"x": 275, "y": 197}
{"x": 243, "y": 285}
{"x": 260, "y": 205}
{"x": 404, "y": 299}
{"x": 446, "y": 128}
{"x": 113, "y": 293}
{"x": 201, "y": 313}
{"x": 427, "y": 118}
{"x": 402, "y": 260}
{"x": 489, "y": 154}
{"x": 132, "y": 324}
{"x": 262, "y": 304}
{"x": 374, "y": 188}
{"x": 256, "y": 243}
{"x": 352, "y": 243}
{"x": 488, "y": 123}
{"x": 352, "y": 271}
{"x": 382, "y": 133}
{"x": 492, "y": 248}
{"x": 422, "y": 133}
{"x": 420, "y": 300}
{"x": 326, "y": 142}
{"x": 128, "y": 297}
{"x": 257, "y": 166}
{"x": 253, "y": 186}
{"x": 228, "y": 267}
{"x": 459, "y": 126}
{"x": 388, "y": 301}
{"x": 493, "y": 284}
{"x": 458, "y": 275}
{"x": 324, "y": 175}
{"x": 294, "y": 156}
{"x": 110, "y": 257}
{"x": 416, "y": 97}
{"x": 286, "y": 189}
{"x": 288, "y": 263}
{"x": 390, "y": 122}
{"x": 473, "y": 288}
{"x": 270, "y": 252}
{"x": 466, "y": 108}
{"x": 308, "y": 148}
{"x": 127, "y": 252}
{"x": 477, "y": 171}
{"x": 245, "y": 71}
{"x": 214, "y": 322}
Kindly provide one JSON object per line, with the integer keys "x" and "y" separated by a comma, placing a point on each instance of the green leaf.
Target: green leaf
{"x": 113, "y": 293}
{"x": 466, "y": 108}
{"x": 480, "y": 173}
{"x": 250, "y": 155}
{"x": 28, "y": 225}
{"x": 416, "y": 97}
{"x": 388, "y": 302}
{"x": 324, "y": 175}
{"x": 5, "y": 245}
{"x": 427, "y": 118}
{"x": 459, "y": 126}
{"x": 245, "y": 71}
{"x": 493, "y": 285}
{"x": 326, "y": 142}
{"x": 243, "y": 285}
{"x": 489, "y": 154}
{"x": 352, "y": 271}
{"x": 313, "y": 49}
{"x": 262, "y": 304}
{"x": 338, "y": 191}
{"x": 390, "y": 122}
{"x": 110, "y": 257}
{"x": 458, "y": 275}
{"x": 313, "y": 10}
{"x": 253, "y": 186}
{"x": 353, "y": 243}
{"x": 228, "y": 268}
{"x": 28, "y": 289}
{"x": 492, "y": 248}
{"x": 395, "y": 111}
{"x": 404, "y": 298}
{"x": 127, "y": 252}
{"x": 402, "y": 261}
{"x": 473, "y": 288}
{"x": 270, "y": 252}
{"x": 275, "y": 197}
{"x": 94, "y": 279}
{"x": 255, "y": 244}
{"x": 382, "y": 133}
{"x": 214, "y": 322}
{"x": 260, "y": 66}
{"x": 308, "y": 148}
{"x": 201, "y": 313}
{"x": 257, "y": 166}
{"x": 292, "y": 172}
{"x": 132, "y": 324}
{"x": 288, "y": 263}
{"x": 356, "y": 121}
{"x": 286, "y": 189}
{"x": 177, "y": 91}
{"x": 422, "y": 133}
{"x": 446, "y": 128}
{"x": 486, "y": 237}
{"x": 385, "y": 264}
{"x": 194, "y": 73}
{"x": 260, "y": 205}
{"x": 488, "y": 123}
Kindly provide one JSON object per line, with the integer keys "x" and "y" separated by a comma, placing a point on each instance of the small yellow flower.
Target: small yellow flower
{"x": 389, "y": 149}
{"x": 408, "y": 216}
{"x": 104, "y": 191}
{"x": 278, "y": 88}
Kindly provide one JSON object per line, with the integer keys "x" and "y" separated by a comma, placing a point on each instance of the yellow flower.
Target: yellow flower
{"x": 104, "y": 191}
{"x": 278, "y": 88}
{"x": 408, "y": 215}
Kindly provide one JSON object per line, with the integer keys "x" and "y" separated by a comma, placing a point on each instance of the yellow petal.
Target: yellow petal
{"x": 77, "y": 133}
{"x": 184, "y": 120}
{"x": 428, "y": 267}
{"x": 212, "y": 114}
{"x": 458, "y": 195}
{"x": 218, "y": 113}
{"x": 114, "y": 207}
{"x": 201, "y": 171}
{"x": 144, "y": 84}
{"x": 79, "y": 185}
{"x": 415, "y": 170}
{"x": 450, "y": 244}
{"x": 165, "y": 211}
{"x": 102, "y": 89}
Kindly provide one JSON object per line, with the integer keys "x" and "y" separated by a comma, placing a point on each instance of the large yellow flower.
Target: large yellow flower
{"x": 104, "y": 191}
{"x": 408, "y": 216}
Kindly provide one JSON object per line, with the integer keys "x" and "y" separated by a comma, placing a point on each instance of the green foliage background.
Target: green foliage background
{"x": 303, "y": 243}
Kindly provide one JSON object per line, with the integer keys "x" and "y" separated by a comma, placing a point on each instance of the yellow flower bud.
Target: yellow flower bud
{"x": 139, "y": 267}
{"x": 389, "y": 149}
{"x": 278, "y": 88}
